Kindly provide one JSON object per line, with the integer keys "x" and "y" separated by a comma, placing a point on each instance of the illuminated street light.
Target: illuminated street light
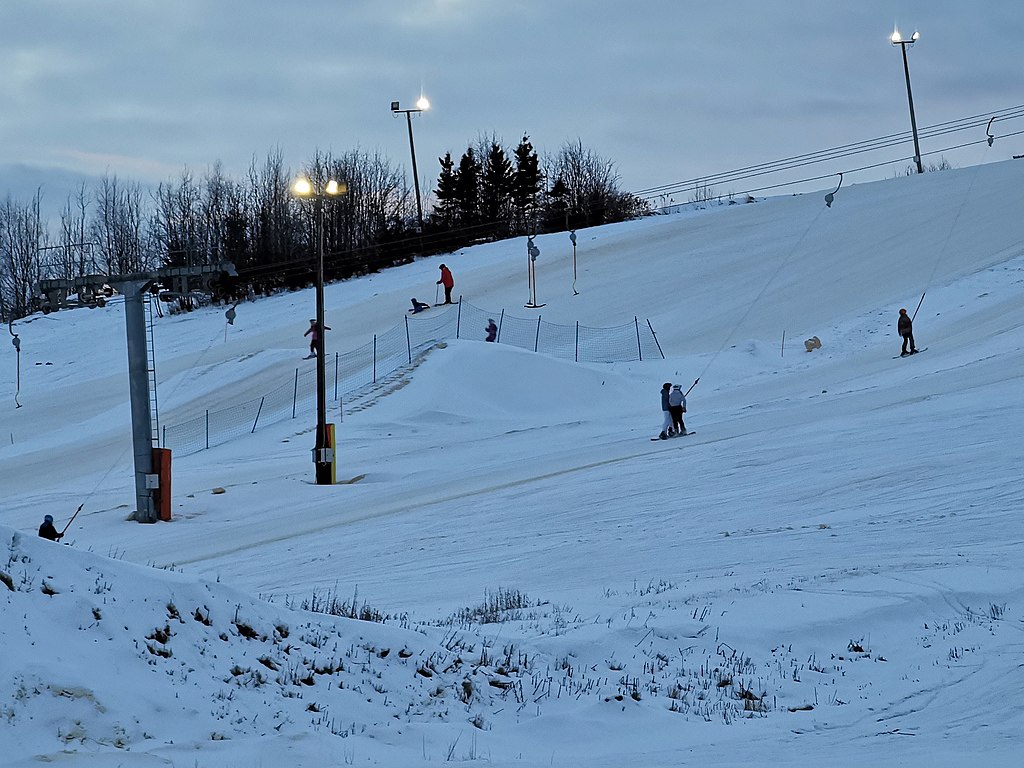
{"x": 323, "y": 451}
{"x": 896, "y": 39}
{"x": 422, "y": 105}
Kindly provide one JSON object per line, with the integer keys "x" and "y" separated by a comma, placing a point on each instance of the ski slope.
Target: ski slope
{"x": 828, "y": 572}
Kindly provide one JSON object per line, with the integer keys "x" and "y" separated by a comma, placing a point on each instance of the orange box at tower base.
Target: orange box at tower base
{"x": 162, "y": 495}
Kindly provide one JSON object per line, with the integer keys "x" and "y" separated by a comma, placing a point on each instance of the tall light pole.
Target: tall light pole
{"x": 323, "y": 451}
{"x": 896, "y": 39}
{"x": 421, "y": 106}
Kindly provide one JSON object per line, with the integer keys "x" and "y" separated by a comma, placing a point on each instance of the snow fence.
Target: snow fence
{"x": 353, "y": 375}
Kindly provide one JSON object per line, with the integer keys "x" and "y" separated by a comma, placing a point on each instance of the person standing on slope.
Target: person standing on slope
{"x": 492, "y": 330}
{"x": 448, "y": 282}
{"x": 314, "y": 333}
{"x": 677, "y": 407}
{"x": 666, "y": 412}
{"x": 905, "y": 327}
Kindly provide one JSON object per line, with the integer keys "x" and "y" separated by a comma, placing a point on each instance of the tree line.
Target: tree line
{"x": 118, "y": 227}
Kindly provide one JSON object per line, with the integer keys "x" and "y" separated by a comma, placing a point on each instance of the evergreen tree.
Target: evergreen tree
{"x": 467, "y": 189}
{"x": 446, "y": 193}
{"x": 495, "y": 190}
{"x": 557, "y": 210}
{"x": 526, "y": 184}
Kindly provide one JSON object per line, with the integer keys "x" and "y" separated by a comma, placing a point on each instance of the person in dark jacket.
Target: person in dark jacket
{"x": 905, "y": 326}
{"x": 418, "y": 306}
{"x": 492, "y": 330}
{"x": 666, "y": 412}
{"x": 448, "y": 282}
{"x": 47, "y": 531}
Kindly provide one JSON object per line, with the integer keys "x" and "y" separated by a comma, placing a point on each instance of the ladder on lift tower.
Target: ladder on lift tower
{"x": 154, "y": 410}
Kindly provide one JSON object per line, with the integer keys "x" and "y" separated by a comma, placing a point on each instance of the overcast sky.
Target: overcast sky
{"x": 666, "y": 89}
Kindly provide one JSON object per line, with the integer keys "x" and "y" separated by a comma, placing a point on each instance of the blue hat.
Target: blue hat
{"x": 48, "y": 518}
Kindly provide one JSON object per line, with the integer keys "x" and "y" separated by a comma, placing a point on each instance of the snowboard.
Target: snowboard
{"x": 917, "y": 352}
{"x": 658, "y": 439}
{"x": 309, "y": 357}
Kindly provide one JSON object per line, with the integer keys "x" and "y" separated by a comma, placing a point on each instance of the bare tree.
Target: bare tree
{"x": 592, "y": 194}
{"x": 117, "y": 227}
{"x": 22, "y": 235}
{"x": 76, "y": 253}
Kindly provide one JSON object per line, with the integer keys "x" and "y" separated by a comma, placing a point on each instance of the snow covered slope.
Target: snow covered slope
{"x": 828, "y": 572}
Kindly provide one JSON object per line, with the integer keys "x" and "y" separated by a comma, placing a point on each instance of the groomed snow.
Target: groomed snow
{"x": 827, "y": 573}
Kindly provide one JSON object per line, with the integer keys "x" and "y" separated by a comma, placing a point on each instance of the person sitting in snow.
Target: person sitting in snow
{"x": 47, "y": 531}
{"x": 418, "y": 306}
{"x": 492, "y": 330}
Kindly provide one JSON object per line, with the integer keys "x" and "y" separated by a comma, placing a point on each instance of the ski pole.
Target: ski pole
{"x": 73, "y": 518}
{"x": 691, "y": 387}
{"x": 918, "y": 307}
{"x": 437, "y": 291}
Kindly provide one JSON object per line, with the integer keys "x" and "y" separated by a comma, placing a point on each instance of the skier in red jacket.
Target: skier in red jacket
{"x": 448, "y": 282}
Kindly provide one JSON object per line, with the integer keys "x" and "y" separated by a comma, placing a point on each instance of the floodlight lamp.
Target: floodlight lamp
{"x": 913, "y": 37}
{"x": 422, "y": 103}
{"x": 302, "y": 187}
{"x": 331, "y": 188}
{"x": 895, "y": 37}
{"x": 394, "y": 106}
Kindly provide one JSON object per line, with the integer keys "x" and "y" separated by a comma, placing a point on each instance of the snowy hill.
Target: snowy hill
{"x": 827, "y": 572}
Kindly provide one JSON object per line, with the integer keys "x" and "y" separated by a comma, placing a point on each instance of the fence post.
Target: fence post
{"x": 655, "y": 338}
{"x": 207, "y": 429}
{"x": 335, "y": 375}
{"x": 258, "y": 412}
{"x": 458, "y": 319}
{"x": 501, "y": 318}
{"x": 577, "y": 341}
{"x": 295, "y": 392}
{"x": 408, "y": 340}
{"x": 375, "y": 358}
{"x": 639, "y": 346}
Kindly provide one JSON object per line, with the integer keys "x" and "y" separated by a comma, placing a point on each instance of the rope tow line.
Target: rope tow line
{"x": 17, "y": 347}
{"x": 956, "y": 219}
{"x": 763, "y": 290}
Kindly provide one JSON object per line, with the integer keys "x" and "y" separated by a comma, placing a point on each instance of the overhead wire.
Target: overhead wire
{"x": 988, "y": 140}
{"x": 832, "y": 153}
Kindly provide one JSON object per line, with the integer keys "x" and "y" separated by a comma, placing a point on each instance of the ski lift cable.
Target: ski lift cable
{"x": 761, "y": 293}
{"x": 793, "y": 166}
{"x": 16, "y": 341}
{"x": 956, "y": 219}
{"x": 800, "y": 161}
{"x": 871, "y": 166}
{"x": 832, "y": 152}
